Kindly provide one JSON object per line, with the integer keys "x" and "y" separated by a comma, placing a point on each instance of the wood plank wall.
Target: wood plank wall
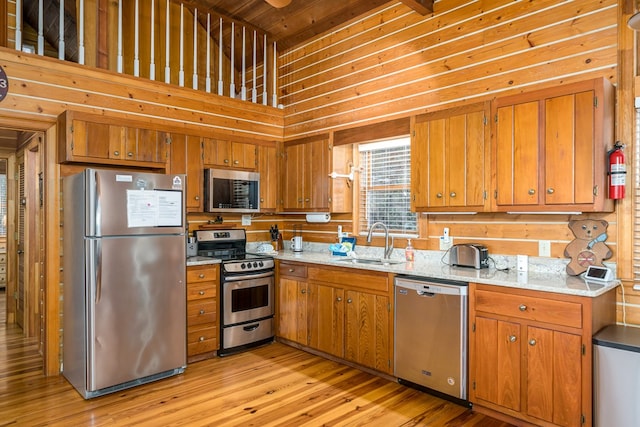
{"x": 395, "y": 63}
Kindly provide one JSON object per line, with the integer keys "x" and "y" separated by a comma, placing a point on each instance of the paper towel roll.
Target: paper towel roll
{"x": 319, "y": 217}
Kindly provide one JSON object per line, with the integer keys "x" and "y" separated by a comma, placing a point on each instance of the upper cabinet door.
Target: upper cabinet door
{"x": 550, "y": 149}
{"x": 448, "y": 160}
{"x": 517, "y": 158}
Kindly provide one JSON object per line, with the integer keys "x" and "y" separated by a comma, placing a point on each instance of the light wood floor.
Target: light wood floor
{"x": 271, "y": 386}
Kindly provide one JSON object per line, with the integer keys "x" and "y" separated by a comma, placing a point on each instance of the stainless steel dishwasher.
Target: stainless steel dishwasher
{"x": 431, "y": 335}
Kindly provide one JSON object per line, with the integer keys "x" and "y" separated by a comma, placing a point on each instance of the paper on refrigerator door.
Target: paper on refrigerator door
{"x": 156, "y": 208}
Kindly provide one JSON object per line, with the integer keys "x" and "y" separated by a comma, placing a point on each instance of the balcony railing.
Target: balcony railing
{"x": 206, "y": 52}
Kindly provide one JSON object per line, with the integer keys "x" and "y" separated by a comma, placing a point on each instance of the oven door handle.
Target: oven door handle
{"x": 247, "y": 277}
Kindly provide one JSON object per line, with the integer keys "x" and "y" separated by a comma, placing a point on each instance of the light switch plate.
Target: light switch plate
{"x": 544, "y": 248}
{"x": 246, "y": 219}
{"x": 522, "y": 263}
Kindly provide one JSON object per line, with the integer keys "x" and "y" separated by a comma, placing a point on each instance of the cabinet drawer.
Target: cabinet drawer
{"x": 205, "y": 346}
{"x": 530, "y": 308}
{"x": 343, "y": 277}
{"x": 202, "y": 333}
{"x": 201, "y": 290}
{"x": 291, "y": 269}
{"x": 201, "y": 311}
{"x": 204, "y": 273}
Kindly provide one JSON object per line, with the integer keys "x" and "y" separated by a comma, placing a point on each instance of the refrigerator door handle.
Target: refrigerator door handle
{"x": 95, "y": 268}
{"x": 98, "y": 207}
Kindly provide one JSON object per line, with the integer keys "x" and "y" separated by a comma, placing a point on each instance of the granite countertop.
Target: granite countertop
{"x": 434, "y": 267}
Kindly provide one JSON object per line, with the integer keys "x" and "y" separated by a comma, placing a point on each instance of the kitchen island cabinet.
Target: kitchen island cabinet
{"x": 203, "y": 282}
{"x": 550, "y": 149}
{"x": 338, "y": 311}
{"x": 531, "y": 354}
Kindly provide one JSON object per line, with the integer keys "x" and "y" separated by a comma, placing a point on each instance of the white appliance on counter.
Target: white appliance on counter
{"x": 124, "y": 279}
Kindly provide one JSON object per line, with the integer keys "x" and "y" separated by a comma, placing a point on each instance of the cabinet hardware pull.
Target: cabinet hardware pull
{"x": 550, "y": 190}
{"x": 513, "y": 338}
{"x": 532, "y": 191}
{"x": 291, "y": 270}
{"x": 201, "y": 339}
{"x": 452, "y": 194}
{"x": 130, "y": 154}
{"x": 201, "y": 292}
{"x": 307, "y": 200}
{"x": 226, "y": 160}
{"x": 439, "y": 195}
{"x": 304, "y": 291}
{"x": 523, "y": 307}
{"x": 197, "y": 197}
{"x": 532, "y": 341}
{"x": 201, "y": 311}
{"x": 116, "y": 153}
{"x": 235, "y": 162}
{"x": 201, "y": 276}
{"x": 349, "y": 300}
{"x": 339, "y": 299}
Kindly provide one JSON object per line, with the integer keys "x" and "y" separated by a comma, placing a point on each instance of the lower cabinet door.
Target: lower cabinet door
{"x": 326, "y": 319}
{"x": 554, "y": 378}
{"x": 367, "y": 330}
{"x": 497, "y": 362}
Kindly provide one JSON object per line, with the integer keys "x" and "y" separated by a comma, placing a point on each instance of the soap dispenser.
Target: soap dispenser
{"x": 408, "y": 251}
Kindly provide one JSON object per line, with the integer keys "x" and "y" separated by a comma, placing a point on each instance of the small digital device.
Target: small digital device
{"x": 599, "y": 274}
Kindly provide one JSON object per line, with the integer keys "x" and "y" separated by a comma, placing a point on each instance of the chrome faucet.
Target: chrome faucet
{"x": 388, "y": 248}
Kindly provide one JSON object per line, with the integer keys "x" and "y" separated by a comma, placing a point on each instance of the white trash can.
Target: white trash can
{"x": 616, "y": 377}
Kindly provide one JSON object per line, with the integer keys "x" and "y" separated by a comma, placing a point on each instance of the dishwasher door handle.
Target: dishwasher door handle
{"x": 426, "y": 294}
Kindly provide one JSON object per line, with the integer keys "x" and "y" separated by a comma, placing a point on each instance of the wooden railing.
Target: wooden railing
{"x": 192, "y": 48}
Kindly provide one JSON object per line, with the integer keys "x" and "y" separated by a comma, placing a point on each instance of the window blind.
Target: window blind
{"x": 385, "y": 186}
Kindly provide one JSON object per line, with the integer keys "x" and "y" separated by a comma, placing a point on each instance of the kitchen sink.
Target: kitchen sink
{"x": 371, "y": 261}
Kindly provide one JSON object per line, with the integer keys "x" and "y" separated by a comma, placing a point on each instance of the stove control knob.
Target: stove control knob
{"x": 261, "y": 264}
{"x": 255, "y": 264}
{"x": 242, "y": 266}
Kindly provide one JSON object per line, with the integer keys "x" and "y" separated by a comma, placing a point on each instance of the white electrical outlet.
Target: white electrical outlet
{"x": 445, "y": 244}
{"x": 522, "y": 263}
{"x": 636, "y": 287}
{"x": 544, "y": 248}
{"x": 445, "y": 234}
{"x": 246, "y": 219}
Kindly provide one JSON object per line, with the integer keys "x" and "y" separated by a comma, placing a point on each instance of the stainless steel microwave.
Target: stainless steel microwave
{"x": 231, "y": 191}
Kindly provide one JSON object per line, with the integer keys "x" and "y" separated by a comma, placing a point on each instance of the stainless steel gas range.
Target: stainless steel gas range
{"x": 247, "y": 290}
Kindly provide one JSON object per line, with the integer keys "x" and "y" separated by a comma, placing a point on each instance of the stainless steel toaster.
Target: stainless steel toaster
{"x": 469, "y": 255}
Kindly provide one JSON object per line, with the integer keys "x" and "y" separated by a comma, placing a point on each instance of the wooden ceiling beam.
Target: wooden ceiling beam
{"x": 423, "y": 7}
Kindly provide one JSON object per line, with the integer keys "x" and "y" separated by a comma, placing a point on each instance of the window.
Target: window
{"x": 385, "y": 186}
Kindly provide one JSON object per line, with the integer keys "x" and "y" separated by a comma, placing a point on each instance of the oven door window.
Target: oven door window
{"x": 244, "y": 299}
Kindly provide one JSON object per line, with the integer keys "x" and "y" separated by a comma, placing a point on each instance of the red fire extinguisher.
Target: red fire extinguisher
{"x": 617, "y": 172}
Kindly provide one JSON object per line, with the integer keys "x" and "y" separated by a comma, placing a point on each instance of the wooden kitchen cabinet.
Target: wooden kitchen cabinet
{"x": 449, "y": 154}
{"x": 186, "y": 158}
{"x": 550, "y": 148}
{"x": 530, "y": 353}
{"x": 96, "y": 139}
{"x": 306, "y": 185}
{"x": 339, "y": 311}
{"x": 202, "y": 311}
{"x": 292, "y": 303}
{"x": 268, "y": 169}
{"x": 230, "y": 154}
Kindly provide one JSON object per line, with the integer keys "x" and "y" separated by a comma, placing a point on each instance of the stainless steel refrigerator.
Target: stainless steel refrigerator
{"x": 124, "y": 290}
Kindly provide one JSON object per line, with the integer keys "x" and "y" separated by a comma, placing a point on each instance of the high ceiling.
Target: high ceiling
{"x": 298, "y": 21}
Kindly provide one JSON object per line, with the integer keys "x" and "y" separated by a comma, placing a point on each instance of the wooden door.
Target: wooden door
{"x": 569, "y": 146}
{"x": 243, "y": 155}
{"x": 194, "y": 171}
{"x": 267, "y": 166}
{"x": 436, "y": 154}
{"x": 517, "y": 161}
{"x": 419, "y": 166}
{"x": 554, "y": 378}
{"x": 367, "y": 330}
{"x": 20, "y": 242}
{"x": 465, "y": 163}
{"x": 326, "y": 319}
{"x": 292, "y": 310}
{"x": 496, "y": 362}
{"x": 316, "y": 175}
{"x": 292, "y": 185}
